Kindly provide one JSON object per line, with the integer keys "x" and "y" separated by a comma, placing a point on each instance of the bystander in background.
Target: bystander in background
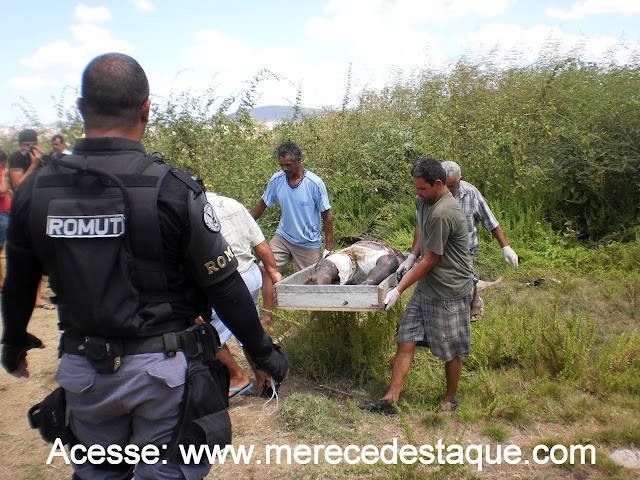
{"x": 23, "y": 163}
{"x": 477, "y": 212}
{"x": 59, "y": 147}
{"x": 244, "y": 236}
{"x": 5, "y": 207}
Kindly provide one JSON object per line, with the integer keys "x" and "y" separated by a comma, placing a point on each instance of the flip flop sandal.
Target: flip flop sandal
{"x": 46, "y": 306}
{"x": 477, "y": 309}
{"x": 385, "y": 407}
{"x": 453, "y": 405}
{"x": 237, "y": 391}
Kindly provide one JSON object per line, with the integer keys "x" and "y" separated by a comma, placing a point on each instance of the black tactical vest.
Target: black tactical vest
{"x": 97, "y": 233}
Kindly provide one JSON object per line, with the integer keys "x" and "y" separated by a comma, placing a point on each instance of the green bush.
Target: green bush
{"x": 356, "y": 346}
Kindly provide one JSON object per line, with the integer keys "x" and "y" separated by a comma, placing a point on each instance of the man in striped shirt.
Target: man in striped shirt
{"x": 477, "y": 212}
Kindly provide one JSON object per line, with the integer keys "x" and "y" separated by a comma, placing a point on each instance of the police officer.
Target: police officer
{"x": 147, "y": 258}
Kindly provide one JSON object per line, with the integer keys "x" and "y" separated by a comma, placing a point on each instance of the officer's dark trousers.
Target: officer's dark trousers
{"x": 139, "y": 405}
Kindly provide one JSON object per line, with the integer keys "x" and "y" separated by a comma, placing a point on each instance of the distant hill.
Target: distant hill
{"x": 275, "y": 113}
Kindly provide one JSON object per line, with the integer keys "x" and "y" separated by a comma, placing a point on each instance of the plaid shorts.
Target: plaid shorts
{"x": 442, "y": 324}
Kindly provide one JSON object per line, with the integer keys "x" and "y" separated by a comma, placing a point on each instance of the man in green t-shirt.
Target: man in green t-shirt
{"x": 437, "y": 314}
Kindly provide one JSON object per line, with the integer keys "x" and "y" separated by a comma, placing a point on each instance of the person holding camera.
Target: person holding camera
{"x": 5, "y": 207}
{"x": 26, "y": 160}
{"x": 22, "y": 164}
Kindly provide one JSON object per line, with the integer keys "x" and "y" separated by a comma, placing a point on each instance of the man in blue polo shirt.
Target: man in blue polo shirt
{"x": 304, "y": 202}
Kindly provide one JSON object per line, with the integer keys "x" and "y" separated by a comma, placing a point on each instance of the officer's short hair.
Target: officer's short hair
{"x": 114, "y": 87}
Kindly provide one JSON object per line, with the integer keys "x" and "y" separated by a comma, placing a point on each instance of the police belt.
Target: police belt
{"x": 104, "y": 353}
{"x": 168, "y": 343}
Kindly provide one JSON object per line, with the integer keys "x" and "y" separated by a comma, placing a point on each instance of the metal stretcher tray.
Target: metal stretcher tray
{"x": 293, "y": 294}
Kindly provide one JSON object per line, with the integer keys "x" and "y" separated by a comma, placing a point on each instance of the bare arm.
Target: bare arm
{"x": 258, "y": 209}
{"x": 327, "y": 226}
{"x": 264, "y": 253}
{"x": 498, "y": 234}
{"x": 415, "y": 246}
{"x": 18, "y": 175}
{"x": 4, "y": 182}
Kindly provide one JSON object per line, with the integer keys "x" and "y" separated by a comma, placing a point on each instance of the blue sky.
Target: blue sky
{"x": 194, "y": 45}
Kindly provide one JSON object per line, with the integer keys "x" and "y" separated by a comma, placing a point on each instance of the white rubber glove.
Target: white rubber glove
{"x": 391, "y": 299}
{"x": 326, "y": 253}
{"x": 405, "y": 266}
{"x": 510, "y": 256}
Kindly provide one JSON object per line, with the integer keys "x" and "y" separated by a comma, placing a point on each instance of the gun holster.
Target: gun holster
{"x": 201, "y": 342}
{"x": 103, "y": 354}
{"x": 48, "y": 417}
{"x": 204, "y": 419}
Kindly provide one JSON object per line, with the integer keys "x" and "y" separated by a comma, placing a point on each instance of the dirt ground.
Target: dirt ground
{"x": 24, "y": 454}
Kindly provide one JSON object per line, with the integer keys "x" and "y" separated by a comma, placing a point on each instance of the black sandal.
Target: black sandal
{"x": 453, "y": 402}
{"x": 385, "y": 407}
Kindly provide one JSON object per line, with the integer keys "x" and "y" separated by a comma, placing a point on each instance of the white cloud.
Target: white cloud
{"x": 91, "y": 14}
{"x": 214, "y": 49}
{"x": 143, "y": 5}
{"x": 89, "y": 40}
{"x": 349, "y": 19}
{"x": 375, "y": 31}
{"x": 59, "y": 53}
{"x": 73, "y": 78}
{"x": 378, "y": 40}
{"x": 441, "y": 11}
{"x": 229, "y": 65}
{"x": 92, "y": 40}
{"x": 33, "y": 83}
{"x": 596, "y": 7}
{"x": 509, "y": 45}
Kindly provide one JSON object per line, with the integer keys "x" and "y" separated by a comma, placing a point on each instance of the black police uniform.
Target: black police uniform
{"x": 73, "y": 224}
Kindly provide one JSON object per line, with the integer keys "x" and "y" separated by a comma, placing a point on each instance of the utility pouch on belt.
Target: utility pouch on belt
{"x": 103, "y": 354}
{"x": 204, "y": 419}
{"x": 48, "y": 417}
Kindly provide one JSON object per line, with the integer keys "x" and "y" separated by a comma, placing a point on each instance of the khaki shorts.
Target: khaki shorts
{"x": 284, "y": 252}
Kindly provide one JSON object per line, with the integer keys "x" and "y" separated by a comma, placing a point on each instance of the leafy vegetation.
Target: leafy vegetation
{"x": 554, "y": 146}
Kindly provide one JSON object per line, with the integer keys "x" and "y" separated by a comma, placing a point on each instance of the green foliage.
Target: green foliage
{"x": 227, "y": 153}
{"x": 556, "y": 141}
{"x": 357, "y": 346}
{"x": 495, "y": 431}
{"x": 626, "y": 432}
{"x": 618, "y": 365}
{"x": 560, "y": 347}
{"x": 318, "y": 418}
{"x": 432, "y": 420}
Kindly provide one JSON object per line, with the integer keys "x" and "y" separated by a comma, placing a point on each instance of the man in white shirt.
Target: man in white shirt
{"x": 244, "y": 236}
{"x": 59, "y": 147}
